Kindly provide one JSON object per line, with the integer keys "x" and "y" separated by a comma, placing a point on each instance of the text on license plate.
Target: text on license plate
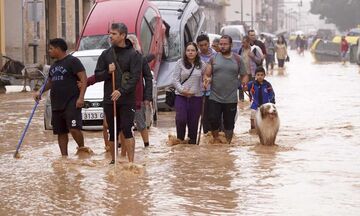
{"x": 92, "y": 115}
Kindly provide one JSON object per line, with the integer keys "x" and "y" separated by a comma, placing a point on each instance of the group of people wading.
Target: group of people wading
{"x": 206, "y": 82}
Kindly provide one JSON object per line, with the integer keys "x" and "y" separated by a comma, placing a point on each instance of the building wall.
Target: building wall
{"x": 2, "y": 31}
{"x": 13, "y": 29}
{"x": 17, "y": 32}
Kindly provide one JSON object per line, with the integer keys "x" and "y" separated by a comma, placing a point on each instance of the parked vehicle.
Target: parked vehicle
{"x": 236, "y": 32}
{"x": 140, "y": 16}
{"x": 92, "y": 112}
{"x": 183, "y": 21}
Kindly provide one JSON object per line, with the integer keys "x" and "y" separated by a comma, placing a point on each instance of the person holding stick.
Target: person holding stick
{"x": 66, "y": 98}
{"x": 122, "y": 62}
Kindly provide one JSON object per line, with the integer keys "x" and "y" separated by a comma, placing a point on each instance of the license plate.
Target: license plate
{"x": 92, "y": 115}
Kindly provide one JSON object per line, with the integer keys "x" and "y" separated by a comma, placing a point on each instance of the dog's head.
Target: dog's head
{"x": 268, "y": 110}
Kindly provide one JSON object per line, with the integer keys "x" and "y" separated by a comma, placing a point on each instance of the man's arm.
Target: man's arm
{"x": 83, "y": 80}
{"x": 148, "y": 82}
{"x": 37, "y": 95}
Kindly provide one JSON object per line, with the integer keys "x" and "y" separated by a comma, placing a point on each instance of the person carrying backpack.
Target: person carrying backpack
{"x": 252, "y": 57}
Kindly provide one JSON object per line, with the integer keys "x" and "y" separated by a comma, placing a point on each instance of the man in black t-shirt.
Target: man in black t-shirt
{"x": 66, "y": 98}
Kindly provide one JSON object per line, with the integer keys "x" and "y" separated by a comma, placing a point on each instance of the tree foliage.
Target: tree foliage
{"x": 345, "y": 14}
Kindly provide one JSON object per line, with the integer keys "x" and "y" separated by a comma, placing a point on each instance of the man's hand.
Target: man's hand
{"x": 80, "y": 102}
{"x": 206, "y": 82}
{"x": 115, "y": 95}
{"x": 37, "y": 96}
{"x": 112, "y": 68}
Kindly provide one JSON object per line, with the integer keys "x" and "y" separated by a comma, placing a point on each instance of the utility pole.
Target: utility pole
{"x": 242, "y": 11}
{"x": 252, "y": 14}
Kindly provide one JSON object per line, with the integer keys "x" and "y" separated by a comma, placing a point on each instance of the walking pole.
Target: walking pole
{"x": 202, "y": 115}
{"x": 115, "y": 122}
{"x": 16, "y": 154}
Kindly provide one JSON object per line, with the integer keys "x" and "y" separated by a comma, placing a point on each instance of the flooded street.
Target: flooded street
{"x": 314, "y": 170}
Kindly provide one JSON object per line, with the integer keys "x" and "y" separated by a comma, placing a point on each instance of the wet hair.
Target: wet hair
{"x": 197, "y": 61}
{"x": 228, "y": 37}
{"x": 120, "y": 27}
{"x": 260, "y": 69}
{"x": 58, "y": 43}
{"x": 202, "y": 37}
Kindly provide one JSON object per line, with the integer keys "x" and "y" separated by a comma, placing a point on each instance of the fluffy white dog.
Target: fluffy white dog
{"x": 267, "y": 123}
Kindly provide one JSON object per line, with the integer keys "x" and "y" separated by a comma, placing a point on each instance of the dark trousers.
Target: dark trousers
{"x": 205, "y": 117}
{"x": 188, "y": 111}
{"x": 227, "y": 110}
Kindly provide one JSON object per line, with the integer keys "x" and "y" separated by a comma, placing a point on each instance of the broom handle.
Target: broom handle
{"x": 28, "y": 122}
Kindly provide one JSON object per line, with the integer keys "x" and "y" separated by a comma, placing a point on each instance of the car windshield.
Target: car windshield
{"x": 94, "y": 42}
{"x": 173, "y": 44}
{"x": 89, "y": 63}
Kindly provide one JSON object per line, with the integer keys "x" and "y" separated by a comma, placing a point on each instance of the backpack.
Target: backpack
{"x": 254, "y": 51}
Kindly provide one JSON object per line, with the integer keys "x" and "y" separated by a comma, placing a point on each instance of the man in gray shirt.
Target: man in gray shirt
{"x": 224, "y": 72}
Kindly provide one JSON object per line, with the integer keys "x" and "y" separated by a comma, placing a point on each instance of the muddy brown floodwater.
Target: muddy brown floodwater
{"x": 314, "y": 169}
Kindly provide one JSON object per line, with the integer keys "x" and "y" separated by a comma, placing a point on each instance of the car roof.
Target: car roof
{"x": 92, "y": 52}
{"x": 125, "y": 11}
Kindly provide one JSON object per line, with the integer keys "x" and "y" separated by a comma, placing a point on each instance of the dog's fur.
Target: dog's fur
{"x": 267, "y": 123}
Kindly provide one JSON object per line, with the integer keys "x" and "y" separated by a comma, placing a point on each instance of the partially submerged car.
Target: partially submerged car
{"x": 184, "y": 22}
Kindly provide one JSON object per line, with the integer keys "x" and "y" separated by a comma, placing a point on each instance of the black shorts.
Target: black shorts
{"x": 63, "y": 120}
{"x": 124, "y": 119}
{"x": 227, "y": 110}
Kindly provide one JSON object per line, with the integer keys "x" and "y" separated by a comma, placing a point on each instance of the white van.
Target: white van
{"x": 236, "y": 32}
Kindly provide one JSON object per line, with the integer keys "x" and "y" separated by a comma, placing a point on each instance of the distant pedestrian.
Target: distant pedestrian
{"x": 270, "y": 54}
{"x": 66, "y": 98}
{"x": 187, "y": 80}
{"x": 251, "y": 56}
{"x": 281, "y": 53}
{"x": 224, "y": 72}
{"x": 344, "y": 47}
{"x": 254, "y": 41}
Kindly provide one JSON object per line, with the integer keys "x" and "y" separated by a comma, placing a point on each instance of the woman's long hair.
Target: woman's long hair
{"x": 197, "y": 62}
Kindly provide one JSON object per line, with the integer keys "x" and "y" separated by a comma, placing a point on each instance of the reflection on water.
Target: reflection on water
{"x": 314, "y": 169}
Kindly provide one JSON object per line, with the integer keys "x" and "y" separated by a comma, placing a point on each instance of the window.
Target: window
{"x": 63, "y": 19}
{"x": 146, "y": 36}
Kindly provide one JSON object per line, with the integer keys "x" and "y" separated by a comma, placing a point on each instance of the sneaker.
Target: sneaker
{"x": 112, "y": 162}
{"x": 146, "y": 144}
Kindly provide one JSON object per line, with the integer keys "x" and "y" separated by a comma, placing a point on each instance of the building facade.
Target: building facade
{"x": 215, "y": 14}
{"x": 28, "y": 25}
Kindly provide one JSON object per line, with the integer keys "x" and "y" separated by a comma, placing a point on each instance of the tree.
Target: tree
{"x": 343, "y": 13}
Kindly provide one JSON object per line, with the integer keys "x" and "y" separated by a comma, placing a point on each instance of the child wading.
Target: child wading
{"x": 261, "y": 92}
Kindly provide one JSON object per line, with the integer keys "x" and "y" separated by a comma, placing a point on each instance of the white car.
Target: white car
{"x": 92, "y": 112}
